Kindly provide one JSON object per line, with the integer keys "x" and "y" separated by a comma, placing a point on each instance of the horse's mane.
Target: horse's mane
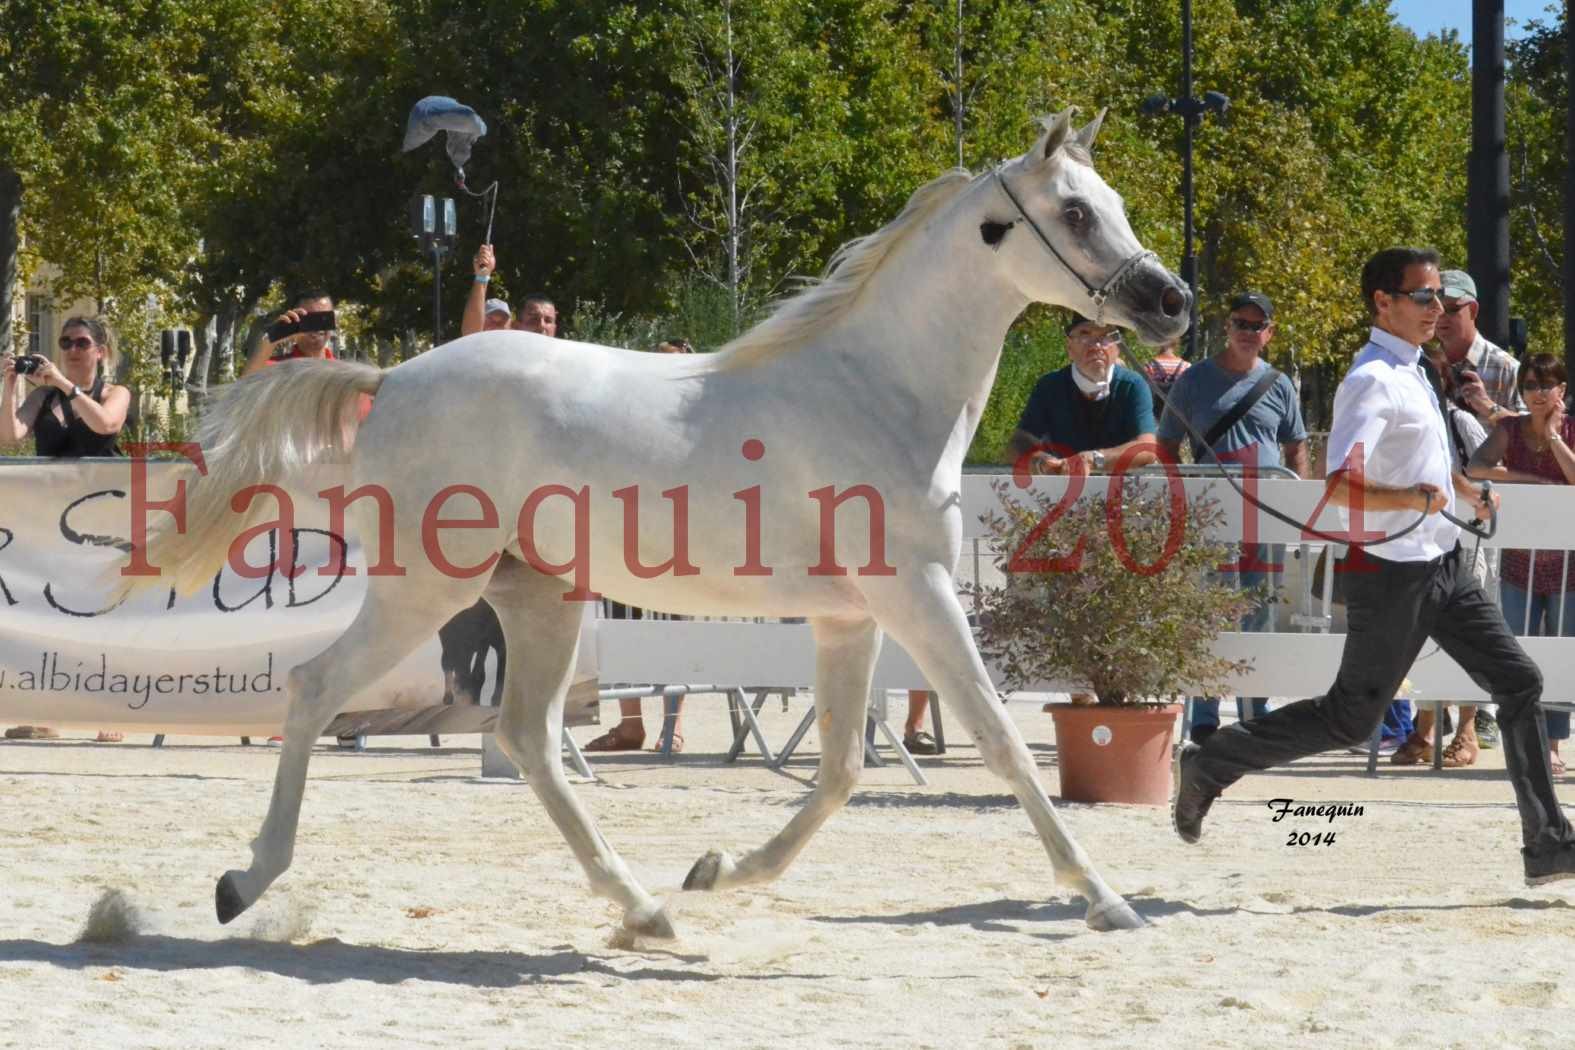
{"x": 838, "y": 288}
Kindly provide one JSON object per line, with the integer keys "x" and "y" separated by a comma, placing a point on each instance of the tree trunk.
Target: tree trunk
{"x": 10, "y": 243}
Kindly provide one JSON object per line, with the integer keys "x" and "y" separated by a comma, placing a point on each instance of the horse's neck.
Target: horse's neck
{"x": 931, "y": 324}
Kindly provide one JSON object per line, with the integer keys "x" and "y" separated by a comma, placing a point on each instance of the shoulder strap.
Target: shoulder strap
{"x": 1242, "y": 406}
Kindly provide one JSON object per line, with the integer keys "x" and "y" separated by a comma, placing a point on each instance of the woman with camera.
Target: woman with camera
{"x": 73, "y": 409}
{"x": 1537, "y": 593}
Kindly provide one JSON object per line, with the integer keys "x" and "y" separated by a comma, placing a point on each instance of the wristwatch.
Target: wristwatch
{"x": 1097, "y": 458}
{"x": 76, "y": 392}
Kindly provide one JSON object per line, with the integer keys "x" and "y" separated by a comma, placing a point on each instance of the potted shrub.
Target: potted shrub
{"x": 1113, "y": 592}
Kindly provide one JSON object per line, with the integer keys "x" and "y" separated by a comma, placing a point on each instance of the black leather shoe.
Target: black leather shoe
{"x": 1553, "y": 866}
{"x": 1193, "y": 796}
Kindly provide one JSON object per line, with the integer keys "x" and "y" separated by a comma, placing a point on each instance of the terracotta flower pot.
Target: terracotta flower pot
{"x": 1114, "y": 754}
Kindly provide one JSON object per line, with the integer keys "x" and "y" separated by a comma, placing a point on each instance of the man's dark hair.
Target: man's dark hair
{"x": 308, "y": 294}
{"x": 539, "y": 297}
{"x": 1385, "y": 271}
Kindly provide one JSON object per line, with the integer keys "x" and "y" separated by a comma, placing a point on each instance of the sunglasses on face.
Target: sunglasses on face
{"x": 1422, "y": 296}
{"x": 1101, "y": 339}
{"x": 1540, "y": 388}
{"x": 81, "y": 342}
{"x": 1454, "y": 308}
{"x": 1241, "y": 324}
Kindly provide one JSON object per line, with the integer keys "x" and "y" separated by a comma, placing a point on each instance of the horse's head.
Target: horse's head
{"x": 1063, "y": 235}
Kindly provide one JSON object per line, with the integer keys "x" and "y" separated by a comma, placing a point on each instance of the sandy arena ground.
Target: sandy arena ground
{"x": 430, "y": 907}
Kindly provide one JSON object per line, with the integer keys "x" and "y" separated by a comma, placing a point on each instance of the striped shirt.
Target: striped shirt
{"x": 1498, "y": 371}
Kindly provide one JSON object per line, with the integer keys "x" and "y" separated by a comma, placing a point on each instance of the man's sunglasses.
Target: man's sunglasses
{"x": 81, "y": 342}
{"x": 1456, "y": 307}
{"x": 1422, "y": 296}
{"x": 1111, "y": 338}
{"x": 1241, "y": 324}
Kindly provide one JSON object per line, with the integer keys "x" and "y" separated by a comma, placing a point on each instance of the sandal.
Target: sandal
{"x": 920, "y": 743}
{"x": 612, "y": 740}
{"x": 1414, "y": 751}
{"x": 1460, "y": 753}
{"x": 678, "y": 743}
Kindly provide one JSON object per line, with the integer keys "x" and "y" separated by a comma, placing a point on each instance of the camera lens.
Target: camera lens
{"x": 28, "y": 364}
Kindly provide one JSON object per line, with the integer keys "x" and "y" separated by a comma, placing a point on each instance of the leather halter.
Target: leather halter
{"x": 1122, "y": 274}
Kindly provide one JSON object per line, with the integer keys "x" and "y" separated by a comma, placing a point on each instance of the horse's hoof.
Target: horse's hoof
{"x": 227, "y": 900}
{"x": 656, "y": 925}
{"x": 706, "y": 872}
{"x": 1113, "y": 915}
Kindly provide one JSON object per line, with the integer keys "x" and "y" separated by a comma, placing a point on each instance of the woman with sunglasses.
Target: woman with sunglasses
{"x": 1535, "y": 449}
{"x": 73, "y": 410}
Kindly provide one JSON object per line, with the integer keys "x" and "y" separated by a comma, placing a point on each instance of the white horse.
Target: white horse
{"x": 872, "y": 380}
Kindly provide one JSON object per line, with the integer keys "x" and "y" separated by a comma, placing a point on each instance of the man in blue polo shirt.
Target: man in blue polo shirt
{"x": 1092, "y": 410}
{"x": 1249, "y": 413}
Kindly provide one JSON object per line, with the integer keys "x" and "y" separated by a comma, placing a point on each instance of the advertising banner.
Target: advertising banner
{"x": 212, "y": 662}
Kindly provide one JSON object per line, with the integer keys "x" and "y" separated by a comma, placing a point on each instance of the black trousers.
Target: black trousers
{"x": 1392, "y": 611}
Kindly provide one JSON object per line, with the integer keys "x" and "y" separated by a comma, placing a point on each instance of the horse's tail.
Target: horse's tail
{"x": 259, "y": 431}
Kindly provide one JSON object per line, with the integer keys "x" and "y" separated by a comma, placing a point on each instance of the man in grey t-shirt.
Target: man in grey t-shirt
{"x": 1269, "y": 434}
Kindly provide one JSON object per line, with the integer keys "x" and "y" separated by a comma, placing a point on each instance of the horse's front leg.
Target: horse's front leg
{"x": 845, "y": 652}
{"x": 922, "y": 613}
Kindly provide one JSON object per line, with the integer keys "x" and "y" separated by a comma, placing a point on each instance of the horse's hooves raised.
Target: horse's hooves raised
{"x": 1115, "y": 915}
{"x": 227, "y": 900}
{"x": 706, "y": 871}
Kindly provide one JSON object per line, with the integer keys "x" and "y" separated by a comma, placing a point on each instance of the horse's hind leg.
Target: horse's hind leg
{"x": 922, "y": 613}
{"x": 395, "y": 617}
{"x": 845, "y": 652}
{"x": 541, "y": 634}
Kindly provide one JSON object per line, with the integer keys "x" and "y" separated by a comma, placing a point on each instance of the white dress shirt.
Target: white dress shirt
{"x": 1386, "y": 404}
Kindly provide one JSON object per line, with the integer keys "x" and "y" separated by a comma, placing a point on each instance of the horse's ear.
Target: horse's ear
{"x": 1057, "y": 129}
{"x": 1085, "y": 135}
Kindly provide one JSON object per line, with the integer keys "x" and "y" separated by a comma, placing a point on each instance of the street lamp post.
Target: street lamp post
{"x": 435, "y": 223}
{"x": 1191, "y": 111}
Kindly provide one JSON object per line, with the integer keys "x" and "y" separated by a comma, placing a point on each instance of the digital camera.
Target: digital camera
{"x": 29, "y": 364}
{"x": 316, "y": 321}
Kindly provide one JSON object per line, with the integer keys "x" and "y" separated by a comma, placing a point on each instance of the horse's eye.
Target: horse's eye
{"x": 1075, "y": 215}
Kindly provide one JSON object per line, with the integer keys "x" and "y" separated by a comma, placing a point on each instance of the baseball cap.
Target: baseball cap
{"x": 498, "y": 306}
{"x": 1458, "y": 285}
{"x": 1258, "y": 299}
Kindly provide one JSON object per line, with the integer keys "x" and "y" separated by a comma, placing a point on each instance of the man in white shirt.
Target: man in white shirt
{"x": 1395, "y": 475}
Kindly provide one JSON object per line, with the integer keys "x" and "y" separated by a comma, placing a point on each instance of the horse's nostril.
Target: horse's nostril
{"x": 1172, "y": 302}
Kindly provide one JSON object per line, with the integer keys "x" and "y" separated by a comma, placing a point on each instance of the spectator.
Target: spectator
{"x": 483, "y": 314}
{"x": 1485, "y": 373}
{"x": 315, "y": 345}
{"x": 1087, "y": 415}
{"x": 1082, "y": 419}
{"x": 72, "y": 411}
{"x": 1465, "y": 437}
{"x": 629, "y": 733}
{"x": 1163, "y": 371}
{"x": 1486, "y": 378}
{"x": 1535, "y": 449}
{"x": 1247, "y": 412}
{"x": 538, "y": 315}
{"x": 498, "y": 316}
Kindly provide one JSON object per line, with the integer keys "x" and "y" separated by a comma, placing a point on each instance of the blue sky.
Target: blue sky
{"x": 1430, "y": 16}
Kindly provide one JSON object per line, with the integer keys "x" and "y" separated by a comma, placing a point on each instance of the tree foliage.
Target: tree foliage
{"x": 215, "y": 153}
